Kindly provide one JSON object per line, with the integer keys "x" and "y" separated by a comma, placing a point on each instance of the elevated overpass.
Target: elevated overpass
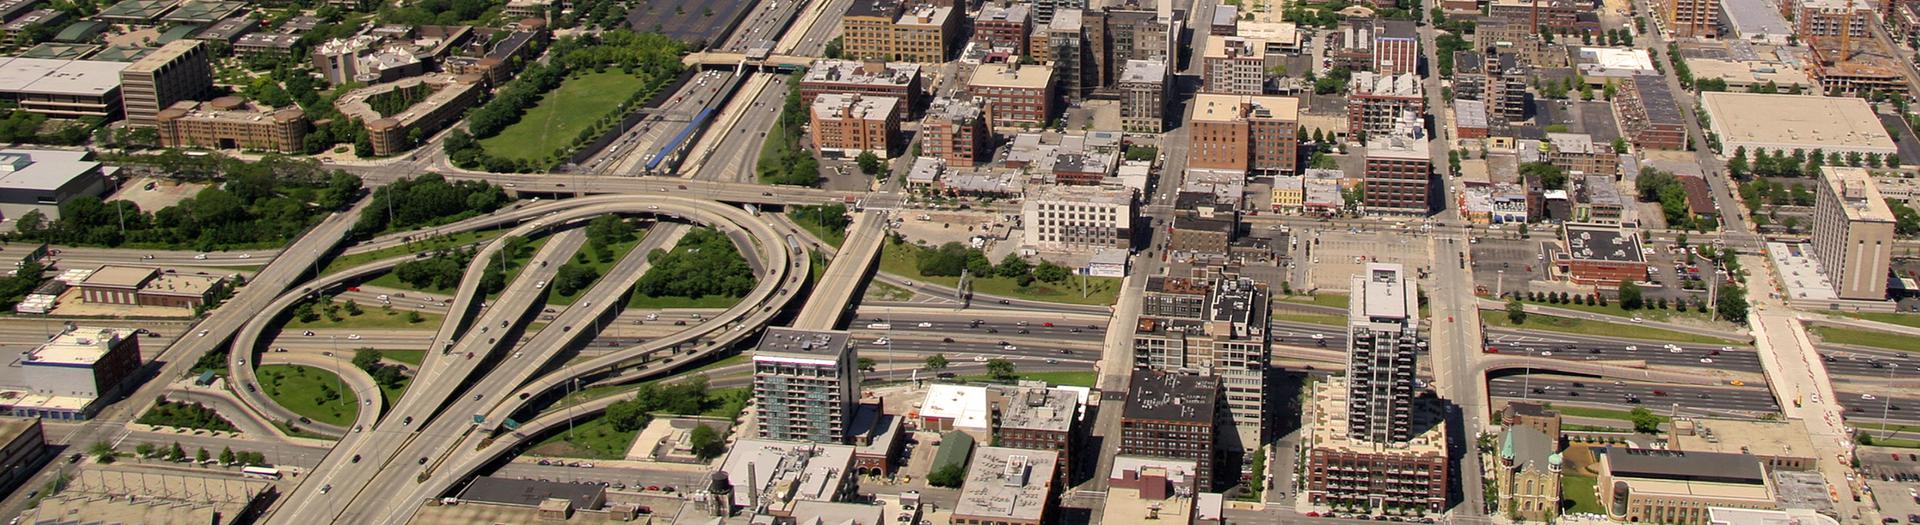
{"x": 846, "y": 274}
{"x": 730, "y": 60}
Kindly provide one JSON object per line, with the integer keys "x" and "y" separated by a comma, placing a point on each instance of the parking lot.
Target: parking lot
{"x": 686, "y": 20}
{"x": 1507, "y": 265}
{"x": 1894, "y": 482}
{"x": 1336, "y": 255}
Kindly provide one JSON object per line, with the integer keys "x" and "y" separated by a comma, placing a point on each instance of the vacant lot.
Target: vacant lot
{"x": 562, "y": 114}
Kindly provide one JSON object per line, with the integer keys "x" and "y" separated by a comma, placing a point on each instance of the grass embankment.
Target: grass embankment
{"x": 599, "y": 267}
{"x": 1085, "y": 379}
{"x": 903, "y": 260}
{"x": 1912, "y": 320}
{"x": 434, "y": 243}
{"x": 315, "y": 393}
{"x": 1597, "y": 328}
{"x": 560, "y": 116}
{"x": 372, "y": 319}
{"x": 1858, "y": 337}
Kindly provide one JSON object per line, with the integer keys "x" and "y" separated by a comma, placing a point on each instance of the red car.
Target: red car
{"x": 1492, "y": 350}
{"x": 1048, "y": 325}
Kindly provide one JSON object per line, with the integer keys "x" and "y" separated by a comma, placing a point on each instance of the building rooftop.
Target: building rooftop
{"x": 1676, "y": 465}
{"x": 1755, "y": 20}
{"x": 833, "y": 106}
{"x": 1742, "y": 436}
{"x": 1657, "y": 99}
{"x": 1795, "y": 121}
{"x": 1009, "y": 75}
{"x": 1595, "y": 242}
{"x": 163, "y": 56}
{"x": 1034, "y": 408}
{"x": 1607, "y": 60}
{"x": 204, "y": 11}
{"x": 531, "y": 492}
{"x": 100, "y": 495}
{"x": 824, "y": 347}
{"x": 446, "y": 89}
{"x": 863, "y": 73}
{"x": 1067, "y": 20}
{"x": 829, "y": 513}
{"x": 1469, "y": 113}
{"x": 44, "y": 170}
{"x": 138, "y": 10}
{"x": 61, "y": 51}
{"x": 178, "y": 284}
{"x": 1235, "y": 47}
{"x": 1386, "y": 293}
{"x": 966, "y": 406}
{"x": 1746, "y": 72}
{"x": 1153, "y": 71}
{"x": 1327, "y": 427}
{"x": 1402, "y": 29}
{"x": 926, "y": 15}
{"x": 1169, "y": 396}
{"x": 1005, "y": 13}
{"x": 1212, "y": 107}
{"x": 1859, "y": 193}
{"x": 1529, "y": 448}
{"x": 1090, "y": 194}
{"x": 119, "y": 276}
{"x": 275, "y": 40}
{"x": 80, "y": 346}
{"x": 59, "y": 77}
{"x": 1734, "y": 516}
{"x": 787, "y": 471}
{"x": 1369, "y": 83}
{"x": 1007, "y": 484}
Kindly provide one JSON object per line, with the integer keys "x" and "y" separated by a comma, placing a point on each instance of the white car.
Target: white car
{"x": 1318, "y": 337}
{"x": 1868, "y": 397}
{"x": 1009, "y": 348}
{"x": 980, "y": 358}
{"x": 1632, "y": 348}
{"x": 1546, "y": 354}
{"x": 1706, "y": 360}
{"x": 353, "y": 337}
{"x": 539, "y": 285}
{"x": 882, "y": 341}
{"x": 200, "y": 257}
{"x": 924, "y": 324}
{"x": 651, "y": 317}
{"x": 246, "y": 256}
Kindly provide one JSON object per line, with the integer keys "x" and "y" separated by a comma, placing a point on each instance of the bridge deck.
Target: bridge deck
{"x": 846, "y": 274}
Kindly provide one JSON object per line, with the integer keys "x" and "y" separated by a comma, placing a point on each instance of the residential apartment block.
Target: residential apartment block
{"x": 850, "y": 124}
{"x": 1004, "y": 27}
{"x": 956, "y": 131}
{"x": 1383, "y": 341}
{"x": 1014, "y": 94}
{"x": 1853, "y": 233}
{"x": 1256, "y": 134}
{"x": 889, "y": 30}
{"x": 1377, "y": 103}
{"x": 873, "y": 78}
{"x": 232, "y": 123}
{"x": 1347, "y": 472}
{"x": 1078, "y": 218}
{"x": 1235, "y": 66}
{"x": 1399, "y": 169}
{"x": 1143, "y": 100}
{"x": 1650, "y": 115}
{"x": 1172, "y": 415}
{"x": 1396, "y": 48}
{"x": 805, "y": 385}
{"x": 1690, "y": 18}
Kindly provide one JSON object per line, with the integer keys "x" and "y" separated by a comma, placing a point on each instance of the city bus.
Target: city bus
{"x": 261, "y": 472}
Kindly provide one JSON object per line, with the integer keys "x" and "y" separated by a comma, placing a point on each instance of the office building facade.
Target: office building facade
{"x": 956, "y": 131}
{"x": 176, "y": 71}
{"x": 1143, "y": 96}
{"x": 1853, "y": 233}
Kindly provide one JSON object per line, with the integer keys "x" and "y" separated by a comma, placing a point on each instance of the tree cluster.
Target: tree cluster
{"x": 685, "y": 398}
{"x": 782, "y": 160}
{"x": 426, "y": 200}
{"x": 255, "y": 207}
{"x": 704, "y": 263}
{"x": 388, "y": 376}
{"x": 442, "y": 270}
{"x": 1665, "y": 188}
{"x": 653, "y": 59}
{"x": 169, "y": 413}
{"x": 831, "y": 217}
{"x": 1550, "y": 176}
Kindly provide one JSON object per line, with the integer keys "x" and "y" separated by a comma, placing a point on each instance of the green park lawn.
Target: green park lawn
{"x": 902, "y": 260}
{"x": 1331, "y": 300}
{"x": 370, "y": 318}
{"x": 411, "y": 357}
{"x": 1578, "y": 490}
{"x": 562, "y": 114}
{"x": 1585, "y": 327}
{"x": 833, "y": 238}
{"x": 300, "y": 389}
{"x": 591, "y": 439}
{"x": 1857, "y": 337}
{"x": 344, "y": 262}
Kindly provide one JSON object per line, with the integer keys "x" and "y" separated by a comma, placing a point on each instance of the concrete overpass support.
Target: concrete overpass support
{"x": 845, "y": 275}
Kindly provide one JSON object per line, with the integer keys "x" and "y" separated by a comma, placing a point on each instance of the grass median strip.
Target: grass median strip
{"x": 1597, "y": 328}
{"x": 312, "y": 392}
{"x": 1857, "y": 337}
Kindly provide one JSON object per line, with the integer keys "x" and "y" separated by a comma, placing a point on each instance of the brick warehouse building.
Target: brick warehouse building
{"x": 1602, "y": 255}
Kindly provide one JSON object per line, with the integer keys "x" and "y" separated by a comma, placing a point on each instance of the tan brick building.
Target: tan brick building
{"x": 232, "y": 123}
{"x": 851, "y": 124}
{"x": 1257, "y": 134}
{"x": 956, "y": 131}
{"x": 175, "y": 72}
{"x": 1015, "y": 94}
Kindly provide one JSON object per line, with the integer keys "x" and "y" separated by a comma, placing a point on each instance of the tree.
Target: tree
{"x": 1630, "y": 296}
{"x": 1516, "y": 312}
{"x": 1732, "y": 304}
{"x": 143, "y": 450}
{"x": 705, "y": 442}
{"x": 950, "y": 476}
{"x": 1001, "y": 370}
{"x": 870, "y": 164}
{"x": 176, "y": 453}
{"x": 1013, "y": 266}
{"x": 102, "y": 451}
{"x": 226, "y": 456}
{"x": 1644, "y": 421}
{"x": 937, "y": 362}
{"x": 366, "y": 359}
{"x": 867, "y": 364}
{"x": 201, "y": 456}
{"x": 1050, "y": 272}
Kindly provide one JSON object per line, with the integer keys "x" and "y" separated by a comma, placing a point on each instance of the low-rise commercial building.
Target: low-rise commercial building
{"x": 141, "y": 286}
{"x": 232, "y": 123}
{"x": 1781, "y": 444}
{"x": 1078, "y": 218}
{"x": 266, "y": 45}
{"x": 62, "y": 88}
{"x": 1678, "y": 487}
{"x": 100, "y": 494}
{"x": 64, "y": 378}
{"x": 1014, "y": 94}
{"x": 1786, "y": 123}
{"x": 1399, "y": 169}
{"x": 23, "y": 449}
{"x": 1742, "y": 75}
{"x": 784, "y": 474}
{"x": 850, "y": 124}
{"x": 42, "y": 179}
{"x": 1156, "y": 490}
{"x": 1007, "y": 486}
{"x": 1603, "y": 255}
